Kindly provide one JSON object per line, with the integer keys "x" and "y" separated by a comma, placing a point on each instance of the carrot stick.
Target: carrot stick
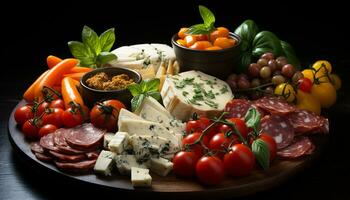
{"x": 70, "y": 92}
{"x": 55, "y": 74}
{"x": 77, "y": 69}
{"x": 75, "y": 76}
{"x": 52, "y": 61}
{"x": 29, "y": 94}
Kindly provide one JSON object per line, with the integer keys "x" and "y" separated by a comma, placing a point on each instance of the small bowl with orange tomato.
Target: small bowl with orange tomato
{"x": 215, "y": 53}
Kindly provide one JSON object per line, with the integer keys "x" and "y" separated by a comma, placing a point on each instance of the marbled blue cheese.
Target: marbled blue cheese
{"x": 106, "y": 139}
{"x": 140, "y": 177}
{"x": 161, "y": 166}
{"x": 126, "y": 162}
{"x": 104, "y": 163}
{"x": 119, "y": 142}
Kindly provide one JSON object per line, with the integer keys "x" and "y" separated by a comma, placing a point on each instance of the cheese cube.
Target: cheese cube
{"x": 106, "y": 139}
{"x": 119, "y": 142}
{"x": 104, "y": 163}
{"x": 126, "y": 162}
{"x": 161, "y": 166}
{"x": 140, "y": 177}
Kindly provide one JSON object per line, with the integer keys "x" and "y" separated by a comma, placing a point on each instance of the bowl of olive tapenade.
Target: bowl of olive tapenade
{"x": 108, "y": 83}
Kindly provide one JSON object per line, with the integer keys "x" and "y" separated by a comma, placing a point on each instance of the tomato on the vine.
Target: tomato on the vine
{"x": 197, "y": 149}
{"x": 271, "y": 143}
{"x": 185, "y": 163}
{"x": 305, "y": 84}
{"x": 46, "y": 129}
{"x": 239, "y": 161}
{"x": 30, "y": 129}
{"x": 42, "y": 107}
{"x": 220, "y": 143}
{"x": 53, "y": 116}
{"x": 72, "y": 117}
{"x": 199, "y": 125}
{"x": 57, "y": 103}
{"x": 240, "y": 124}
{"x": 210, "y": 170}
{"x": 23, "y": 113}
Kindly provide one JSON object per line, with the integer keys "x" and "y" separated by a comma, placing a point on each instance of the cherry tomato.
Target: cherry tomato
{"x": 219, "y": 143}
{"x": 190, "y": 40}
{"x": 224, "y": 42}
{"x": 182, "y": 33}
{"x": 105, "y": 115}
{"x": 271, "y": 143}
{"x": 210, "y": 170}
{"x": 58, "y": 103}
{"x": 204, "y": 123}
{"x": 201, "y": 45}
{"x": 41, "y": 108}
{"x": 201, "y": 37}
{"x": 23, "y": 113}
{"x": 305, "y": 84}
{"x": 185, "y": 163}
{"x": 46, "y": 129}
{"x": 197, "y": 148}
{"x": 239, "y": 161}
{"x": 181, "y": 42}
{"x": 213, "y": 48}
{"x": 72, "y": 117}
{"x": 241, "y": 126}
{"x": 53, "y": 116}
{"x": 30, "y": 129}
{"x": 219, "y": 32}
{"x": 193, "y": 126}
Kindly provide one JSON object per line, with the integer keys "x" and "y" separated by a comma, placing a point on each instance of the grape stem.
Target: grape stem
{"x": 254, "y": 88}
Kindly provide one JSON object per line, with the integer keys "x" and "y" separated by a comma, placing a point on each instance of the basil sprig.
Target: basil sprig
{"x": 143, "y": 90}
{"x": 208, "y": 22}
{"x": 93, "y": 51}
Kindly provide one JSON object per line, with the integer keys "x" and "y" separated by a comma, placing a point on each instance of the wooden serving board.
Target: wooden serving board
{"x": 258, "y": 180}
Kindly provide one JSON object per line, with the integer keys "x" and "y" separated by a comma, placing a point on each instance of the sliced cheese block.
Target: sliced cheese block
{"x": 119, "y": 142}
{"x": 195, "y": 91}
{"x": 140, "y": 177}
{"x": 125, "y": 114}
{"x": 126, "y": 162}
{"x": 152, "y": 110}
{"x": 142, "y": 127}
{"x": 104, "y": 163}
{"x": 160, "y": 166}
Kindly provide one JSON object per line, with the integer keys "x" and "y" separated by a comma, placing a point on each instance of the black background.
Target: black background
{"x": 32, "y": 31}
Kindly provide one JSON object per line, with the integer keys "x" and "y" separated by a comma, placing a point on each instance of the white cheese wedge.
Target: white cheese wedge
{"x": 126, "y": 162}
{"x": 119, "y": 142}
{"x": 195, "y": 91}
{"x": 125, "y": 114}
{"x": 142, "y": 127}
{"x": 106, "y": 139}
{"x": 140, "y": 177}
{"x": 104, "y": 163}
{"x": 160, "y": 166}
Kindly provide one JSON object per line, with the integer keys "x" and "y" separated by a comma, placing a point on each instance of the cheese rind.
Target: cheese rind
{"x": 140, "y": 177}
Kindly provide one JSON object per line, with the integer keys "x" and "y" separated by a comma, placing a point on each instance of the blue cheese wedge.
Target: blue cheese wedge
{"x": 106, "y": 139}
{"x": 125, "y": 114}
{"x": 195, "y": 91}
{"x": 126, "y": 162}
{"x": 104, "y": 163}
{"x": 140, "y": 177}
{"x": 152, "y": 110}
{"x": 160, "y": 166}
{"x": 119, "y": 142}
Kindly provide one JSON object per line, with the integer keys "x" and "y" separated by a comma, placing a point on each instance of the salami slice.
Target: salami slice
{"x": 274, "y": 105}
{"x": 307, "y": 122}
{"x": 237, "y": 108}
{"x": 311, "y": 150}
{"x": 85, "y": 137}
{"x": 67, "y": 158}
{"x": 93, "y": 154}
{"x": 43, "y": 157}
{"x": 36, "y": 148}
{"x": 279, "y": 128}
{"x": 76, "y": 166}
{"x": 61, "y": 144}
{"x": 47, "y": 142}
{"x": 299, "y": 147}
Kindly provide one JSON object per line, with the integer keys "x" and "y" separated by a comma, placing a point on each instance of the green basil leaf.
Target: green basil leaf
{"x": 252, "y": 119}
{"x": 137, "y": 101}
{"x": 198, "y": 29}
{"x": 107, "y": 39}
{"x": 207, "y": 16}
{"x": 134, "y": 89}
{"x": 247, "y": 31}
{"x": 290, "y": 54}
{"x": 77, "y": 49}
{"x": 105, "y": 57}
{"x": 91, "y": 40}
{"x": 152, "y": 85}
{"x": 154, "y": 94}
{"x": 266, "y": 41}
{"x": 243, "y": 62}
{"x": 87, "y": 62}
{"x": 261, "y": 153}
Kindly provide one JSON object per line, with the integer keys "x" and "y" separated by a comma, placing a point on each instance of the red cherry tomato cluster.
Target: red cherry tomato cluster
{"x": 212, "y": 150}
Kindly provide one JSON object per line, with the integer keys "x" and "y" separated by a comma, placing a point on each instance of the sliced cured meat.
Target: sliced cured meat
{"x": 279, "y": 128}
{"x": 93, "y": 154}
{"x": 61, "y": 144}
{"x": 305, "y": 121}
{"x": 69, "y": 150}
{"x": 274, "y": 105}
{"x": 67, "y": 158}
{"x": 237, "y": 108}
{"x": 299, "y": 147}
{"x": 47, "y": 142}
{"x": 43, "y": 157}
{"x": 76, "y": 166}
{"x": 311, "y": 150}
{"x": 36, "y": 148}
{"x": 85, "y": 137}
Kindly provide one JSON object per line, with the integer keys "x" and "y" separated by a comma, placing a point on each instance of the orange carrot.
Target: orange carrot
{"x": 75, "y": 76}
{"x": 29, "y": 94}
{"x": 52, "y": 61}
{"x": 55, "y": 74}
{"x": 77, "y": 69}
{"x": 70, "y": 92}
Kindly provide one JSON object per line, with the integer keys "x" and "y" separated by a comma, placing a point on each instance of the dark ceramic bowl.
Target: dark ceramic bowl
{"x": 219, "y": 63}
{"x": 91, "y": 95}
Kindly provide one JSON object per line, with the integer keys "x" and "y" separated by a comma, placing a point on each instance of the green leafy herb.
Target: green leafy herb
{"x": 184, "y": 82}
{"x": 211, "y": 103}
{"x": 252, "y": 119}
{"x": 94, "y": 50}
{"x": 261, "y": 153}
{"x": 210, "y": 94}
{"x": 143, "y": 90}
{"x": 224, "y": 89}
{"x": 208, "y": 22}
{"x": 184, "y": 93}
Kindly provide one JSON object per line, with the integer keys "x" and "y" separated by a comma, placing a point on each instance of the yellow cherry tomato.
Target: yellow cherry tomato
{"x": 322, "y": 67}
{"x": 336, "y": 81}
{"x": 286, "y": 91}
{"x": 181, "y": 42}
{"x": 325, "y": 93}
{"x": 308, "y": 73}
{"x": 182, "y": 33}
{"x": 308, "y": 102}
